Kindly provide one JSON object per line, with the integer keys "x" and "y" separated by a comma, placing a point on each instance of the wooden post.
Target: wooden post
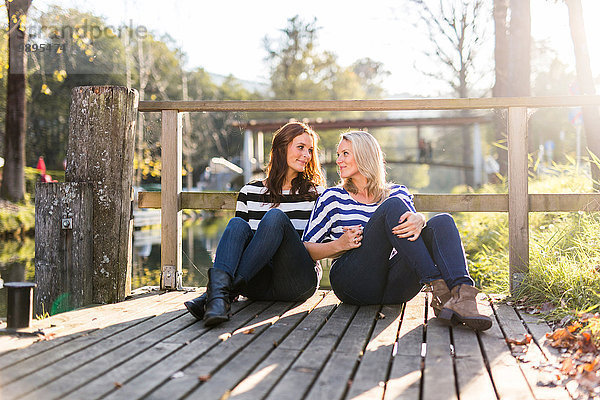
{"x": 170, "y": 211}
{"x": 518, "y": 198}
{"x": 247, "y": 155}
{"x": 63, "y": 246}
{"x": 100, "y": 151}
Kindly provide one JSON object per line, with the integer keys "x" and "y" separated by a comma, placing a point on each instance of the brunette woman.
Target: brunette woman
{"x": 261, "y": 254}
{"x": 384, "y": 249}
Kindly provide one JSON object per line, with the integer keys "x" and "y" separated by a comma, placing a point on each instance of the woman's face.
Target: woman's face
{"x": 346, "y": 161}
{"x": 299, "y": 153}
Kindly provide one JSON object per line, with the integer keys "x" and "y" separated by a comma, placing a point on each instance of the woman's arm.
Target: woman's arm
{"x": 351, "y": 239}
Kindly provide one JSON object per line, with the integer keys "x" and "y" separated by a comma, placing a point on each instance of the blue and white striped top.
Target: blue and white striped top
{"x": 335, "y": 209}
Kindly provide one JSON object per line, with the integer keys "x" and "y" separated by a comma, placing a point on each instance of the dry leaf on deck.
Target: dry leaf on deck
{"x": 524, "y": 341}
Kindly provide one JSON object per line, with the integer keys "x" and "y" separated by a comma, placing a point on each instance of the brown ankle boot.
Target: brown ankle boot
{"x": 462, "y": 307}
{"x": 441, "y": 294}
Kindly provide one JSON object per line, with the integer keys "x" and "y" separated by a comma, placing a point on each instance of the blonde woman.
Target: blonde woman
{"x": 385, "y": 250}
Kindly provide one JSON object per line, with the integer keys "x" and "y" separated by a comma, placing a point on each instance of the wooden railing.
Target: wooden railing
{"x": 518, "y": 202}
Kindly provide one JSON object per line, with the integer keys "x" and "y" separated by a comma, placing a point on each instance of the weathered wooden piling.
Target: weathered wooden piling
{"x": 100, "y": 151}
{"x": 63, "y": 246}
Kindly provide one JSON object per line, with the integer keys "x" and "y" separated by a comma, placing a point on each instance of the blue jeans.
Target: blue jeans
{"x": 366, "y": 275}
{"x": 272, "y": 261}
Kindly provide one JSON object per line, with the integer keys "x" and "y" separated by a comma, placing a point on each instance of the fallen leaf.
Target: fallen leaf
{"x": 574, "y": 326}
{"x": 566, "y": 366}
{"x": 118, "y": 385}
{"x": 524, "y": 341}
{"x": 203, "y": 378}
{"x": 224, "y": 336}
{"x": 248, "y": 331}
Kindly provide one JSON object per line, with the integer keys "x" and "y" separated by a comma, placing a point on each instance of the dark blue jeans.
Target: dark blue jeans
{"x": 366, "y": 275}
{"x": 272, "y": 261}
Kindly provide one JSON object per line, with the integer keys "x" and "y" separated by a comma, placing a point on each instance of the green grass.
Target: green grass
{"x": 17, "y": 220}
{"x": 564, "y": 255}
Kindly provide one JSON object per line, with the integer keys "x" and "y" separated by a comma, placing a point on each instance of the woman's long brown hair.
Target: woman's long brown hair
{"x": 305, "y": 183}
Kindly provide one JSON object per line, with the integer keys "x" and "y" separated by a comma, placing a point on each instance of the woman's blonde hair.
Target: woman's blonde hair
{"x": 370, "y": 163}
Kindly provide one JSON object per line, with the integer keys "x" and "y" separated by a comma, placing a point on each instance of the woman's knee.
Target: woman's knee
{"x": 274, "y": 217}
{"x": 238, "y": 226}
{"x": 394, "y": 203}
{"x": 442, "y": 221}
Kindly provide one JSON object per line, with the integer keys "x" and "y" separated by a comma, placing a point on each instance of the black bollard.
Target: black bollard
{"x": 19, "y": 304}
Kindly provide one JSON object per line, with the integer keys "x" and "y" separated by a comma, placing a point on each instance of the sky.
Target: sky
{"x": 226, "y": 37}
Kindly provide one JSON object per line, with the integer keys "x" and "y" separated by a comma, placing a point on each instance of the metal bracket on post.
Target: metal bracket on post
{"x": 67, "y": 223}
{"x": 516, "y": 279}
{"x": 171, "y": 279}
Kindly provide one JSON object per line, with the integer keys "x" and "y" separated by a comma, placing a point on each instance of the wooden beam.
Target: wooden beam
{"x": 518, "y": 200}
{"x": 370, "y": 105}
{"x": 543, "y": 202}
{"x": 170, "y": 248}
{"x": 322, "y": 124}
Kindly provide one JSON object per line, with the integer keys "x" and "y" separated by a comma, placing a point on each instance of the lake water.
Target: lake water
{"x": 199, "y": 243}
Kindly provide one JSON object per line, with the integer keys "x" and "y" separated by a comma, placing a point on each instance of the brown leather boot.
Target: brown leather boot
{"x": 441, "y": 294}
{"x": 462, "y": 307}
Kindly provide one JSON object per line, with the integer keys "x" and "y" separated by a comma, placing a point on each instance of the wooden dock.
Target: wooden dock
{"x": 149, "y": 347}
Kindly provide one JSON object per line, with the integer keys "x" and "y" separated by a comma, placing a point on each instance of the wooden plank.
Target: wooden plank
{"x": 514, "y": 329}
{"x": 506, "y": 374}
{"x": 405, "y": 376}
{"x": 438, "y": 375}
{"x": 263, "y": 377}
{"x": 40, "y": 372}
{"x": 170, "y": 216}
{"x": 562, "y": 202}
{"x": 539, "y": 202}
{"x": 154, "y": 371}
{"x": 320, "y": 124}
{"x": 111, "y": 359}
{"x": 63, "y": 257}
{"x": 218, "y": 356}
{"x": 371, "y": 376}
{"x": 299, "y": 378}
{"x": 334, "y": 379}
{"x": 474, "y": 381}
{"x": 104, "y": 381}
{"x": 538, "y": 329}
{"x": 518, "y": 215}
{"x": 370, "y": 105}
{"x": 70, "y": 325}
{"x": 100, "y": 151}
{"x": 221, "y": 382}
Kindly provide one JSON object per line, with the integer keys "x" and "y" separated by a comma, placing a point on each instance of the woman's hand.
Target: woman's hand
{"x": 410, "y": 226}
{"x": 351, "y": 238}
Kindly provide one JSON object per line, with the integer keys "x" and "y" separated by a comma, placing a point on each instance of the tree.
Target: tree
{"x": 455, "y": 33}
{"x": 512, "y": 56}
{"x": 13, "y": 182}
{"x": 520, "y": 49}
{"x": 591, "y": 115}
{"x": 298, "y": 70}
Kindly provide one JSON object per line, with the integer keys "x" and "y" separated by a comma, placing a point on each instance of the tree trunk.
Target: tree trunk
{"x": 13, "y": 182}
{"x": 500, "y": 89}
{"x": 591, "y": 115}
{"x": 520, "y": 48}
